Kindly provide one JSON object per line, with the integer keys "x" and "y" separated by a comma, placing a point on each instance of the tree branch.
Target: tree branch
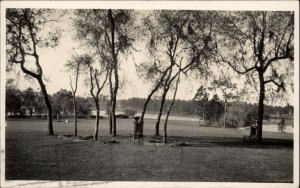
{"x": 26, "y": 71}
{"x": 278, "y": 47}
{"x": 234, "y": 68}
{"x": 92, "y": 84}
{"x": 279, "y": 85}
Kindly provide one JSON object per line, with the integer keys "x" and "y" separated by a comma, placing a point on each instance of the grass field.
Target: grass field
{"x": 194, "y": 154}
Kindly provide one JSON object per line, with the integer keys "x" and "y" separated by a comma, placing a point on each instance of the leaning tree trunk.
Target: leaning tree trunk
{"x": 163, "y": 99}
{"x": 260, "y": 108}
{"x": 169, "y": 111}
{"x": 147, "y": 102}
{"x": 48, "y": 104}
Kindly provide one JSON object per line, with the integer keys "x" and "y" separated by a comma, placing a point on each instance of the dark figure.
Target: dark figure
{"x": 281, "y": 125}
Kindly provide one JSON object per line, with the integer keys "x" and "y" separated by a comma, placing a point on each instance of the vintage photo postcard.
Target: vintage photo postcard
{"x": 149, "y": 94}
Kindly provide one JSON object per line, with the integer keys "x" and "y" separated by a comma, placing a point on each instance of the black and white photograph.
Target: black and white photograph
{"x": 149, "y": 94}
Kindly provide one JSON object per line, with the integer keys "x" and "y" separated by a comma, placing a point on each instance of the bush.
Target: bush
{"x": 122, "y": 116}
{"x": 130, "y": 112}
{"x": 18, "y": 116}
{"x": 94, "y": 117}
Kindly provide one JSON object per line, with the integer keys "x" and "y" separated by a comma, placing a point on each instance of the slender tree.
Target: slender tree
{"x": 259, "y": 45}
{"x": 75, "y": 65}
{"x": 24, "y": 37}
{"x": 95, "y": 89}
{"x": 108, "y": 33}
{"x": 170, "y": 108}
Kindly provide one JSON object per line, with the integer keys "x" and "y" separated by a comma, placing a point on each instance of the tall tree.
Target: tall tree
{"x": 24, "y": 36}
{"x": 109, "y": 34}
{"x": 259, "y": 45}
{"x": 176, "y": 37}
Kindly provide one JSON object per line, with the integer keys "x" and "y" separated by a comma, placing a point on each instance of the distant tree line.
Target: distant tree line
{"x": 29, "y": 103}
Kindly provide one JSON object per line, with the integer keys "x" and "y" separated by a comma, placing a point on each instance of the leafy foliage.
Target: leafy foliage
{"x": 210, "y": 110}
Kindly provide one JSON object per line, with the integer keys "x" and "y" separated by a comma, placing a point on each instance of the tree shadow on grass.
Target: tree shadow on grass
{"x": 183, "y": 141}
{"x": 267, "y": 143}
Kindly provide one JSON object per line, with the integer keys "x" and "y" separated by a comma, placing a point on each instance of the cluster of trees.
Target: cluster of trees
{"x": 209, "y": 110}
{"x": 29, "y": 103}
{"x": 258, "y": 45}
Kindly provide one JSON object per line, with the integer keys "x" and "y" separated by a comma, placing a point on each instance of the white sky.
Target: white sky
{"x": 53, "y": 60}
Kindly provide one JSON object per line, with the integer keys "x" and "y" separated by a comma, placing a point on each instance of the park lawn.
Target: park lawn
{"x": 209, "y": 154}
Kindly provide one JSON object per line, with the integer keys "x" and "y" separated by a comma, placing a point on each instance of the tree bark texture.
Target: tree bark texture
{"x": 97, "y": 123}
{"x": 48, "y": 104}
{"x": 116, "y": 76}
{"x": 75, "y": 114}
{"x": 260, "y": 107}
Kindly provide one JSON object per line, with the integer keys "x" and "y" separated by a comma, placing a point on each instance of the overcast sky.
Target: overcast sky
{"x": 53, "y": 60}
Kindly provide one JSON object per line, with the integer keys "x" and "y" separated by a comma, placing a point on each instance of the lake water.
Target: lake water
{"x": 266, "y": 128}
{"x": 154, "y": 116}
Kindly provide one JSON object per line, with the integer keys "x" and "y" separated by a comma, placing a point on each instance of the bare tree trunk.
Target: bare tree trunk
{"x": 114, "y": 103}
{"x": 115, "y": 68}
{"x": 97, "y": 122}
{"x": 48, "y": 104}
{"x": 113, "y": 118}
{"x": 169, "y": 111}
{"x": 225, "y": 112}
{"x": 260, "y": 107}
{"x": 163, "y": 99}
{"x": 74, "y": 99}
{"x": 146, "y": 103}
{"x": 145, "y": 106}
{"x": 110, "y": 103}
{"x": 75, "y": 114}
